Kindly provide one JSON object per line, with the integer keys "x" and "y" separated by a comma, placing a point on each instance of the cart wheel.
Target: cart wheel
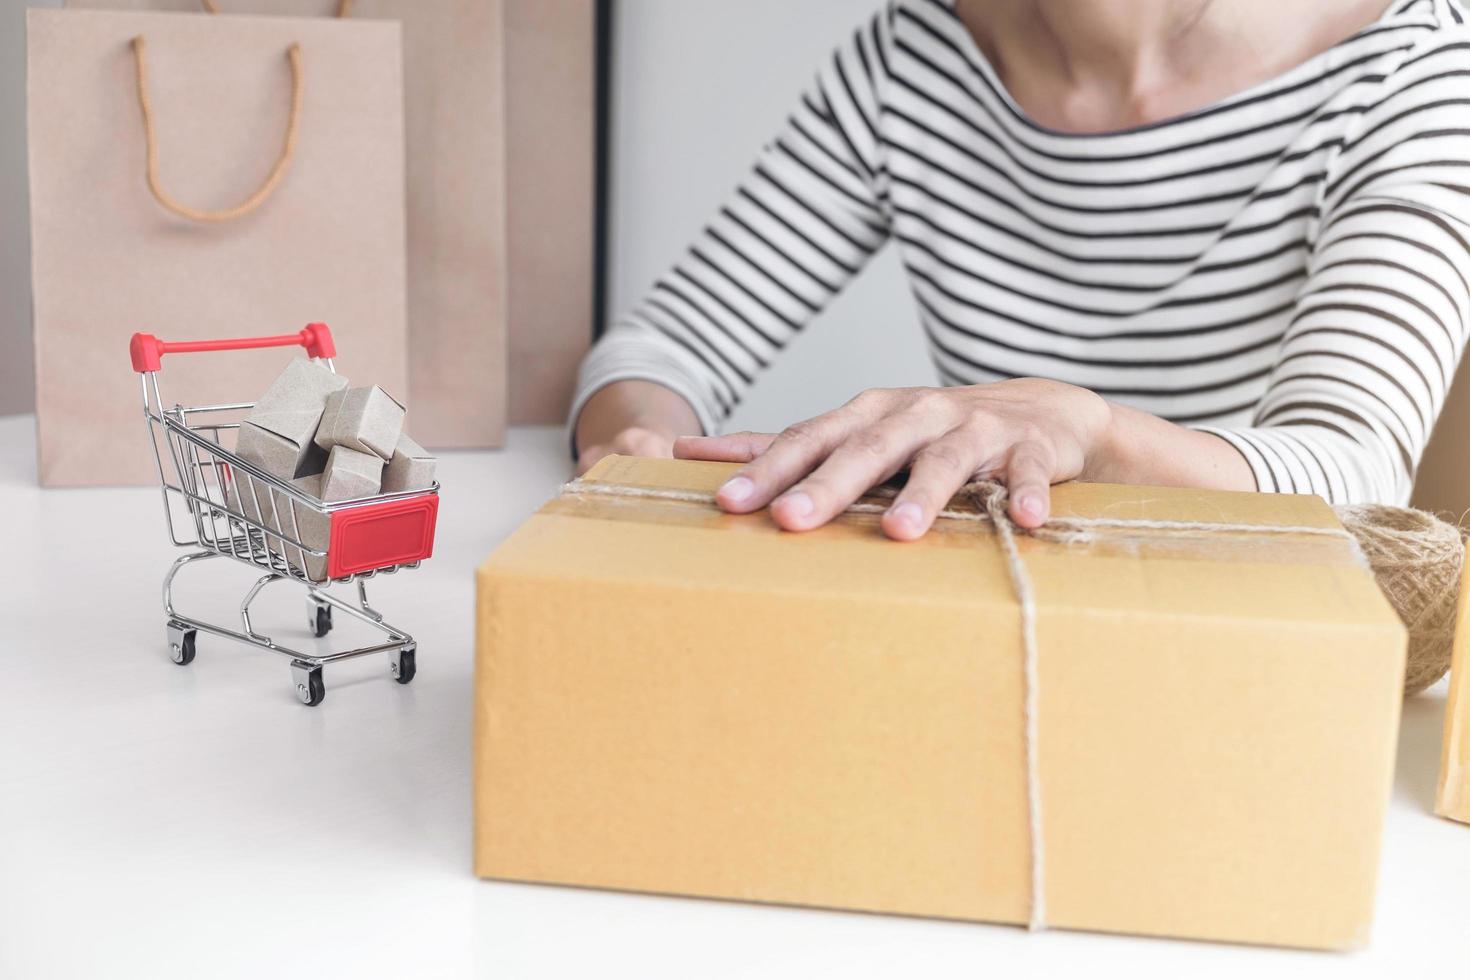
{"x": 310, "y": 690}
{"x": 404, "y": 665}
{"x": 181, "y": 644}
{"x": 318, "y": 617}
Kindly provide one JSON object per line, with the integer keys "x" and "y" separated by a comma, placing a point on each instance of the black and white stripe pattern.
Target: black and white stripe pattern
{"x": 1288, "y": 269}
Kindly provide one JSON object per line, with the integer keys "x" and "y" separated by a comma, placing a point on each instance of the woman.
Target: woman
{"x": 1174, "y": 242}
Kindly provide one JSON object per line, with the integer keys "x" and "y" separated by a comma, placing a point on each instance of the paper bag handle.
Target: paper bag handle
{"x": 288, "y": 147}
{"x": 146, "y": 350}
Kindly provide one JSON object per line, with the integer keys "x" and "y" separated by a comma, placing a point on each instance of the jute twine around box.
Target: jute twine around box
{"x": 1415, "y": 556}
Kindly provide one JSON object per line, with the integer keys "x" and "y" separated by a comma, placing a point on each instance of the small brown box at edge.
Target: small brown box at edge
{"x": 1453, "y": 796}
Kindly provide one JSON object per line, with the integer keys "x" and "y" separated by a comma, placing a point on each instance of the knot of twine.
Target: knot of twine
{"x": 1415, "y": 556}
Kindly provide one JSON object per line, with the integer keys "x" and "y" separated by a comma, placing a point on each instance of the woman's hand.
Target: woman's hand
{"x": 632, "y": 441}
{"x": 1028, "y": 433}
{"x": 631, "y": 418}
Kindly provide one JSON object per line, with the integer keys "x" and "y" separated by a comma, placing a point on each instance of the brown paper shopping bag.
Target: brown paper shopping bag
{"x": 457, "y": 82}
{"x": 289, "y": 130}
{"x": 550, "y": 177}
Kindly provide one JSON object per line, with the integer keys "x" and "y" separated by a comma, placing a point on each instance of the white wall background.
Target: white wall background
{"x": 698, "y": 87}
{"x": 17, "y": 386}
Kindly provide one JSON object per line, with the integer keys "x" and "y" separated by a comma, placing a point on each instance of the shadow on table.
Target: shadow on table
{"x": 1419, "y": 743}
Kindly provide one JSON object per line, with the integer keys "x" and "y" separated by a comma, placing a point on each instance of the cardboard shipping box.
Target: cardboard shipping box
{"x": 671, "y": 699}
{"x": 1453, "y": 798}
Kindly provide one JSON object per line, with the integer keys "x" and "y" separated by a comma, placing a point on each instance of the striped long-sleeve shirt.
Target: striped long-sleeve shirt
{"x": 1288, "y": 268}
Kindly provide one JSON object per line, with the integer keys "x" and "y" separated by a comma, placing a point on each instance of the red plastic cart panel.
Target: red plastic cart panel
{"x": 394, "y": 532}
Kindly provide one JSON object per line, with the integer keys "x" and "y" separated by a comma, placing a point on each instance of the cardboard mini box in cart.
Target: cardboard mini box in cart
{"x": 671, "y": 699}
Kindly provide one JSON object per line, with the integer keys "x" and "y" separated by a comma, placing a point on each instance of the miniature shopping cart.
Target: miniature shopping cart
{"x": 205, "y": 483}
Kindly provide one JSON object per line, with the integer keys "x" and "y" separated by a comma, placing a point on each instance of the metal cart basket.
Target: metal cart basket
{"x": 239, "y": 511}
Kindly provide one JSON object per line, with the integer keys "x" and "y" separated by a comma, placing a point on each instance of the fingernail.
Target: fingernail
{"x": 737, "y": 489}
{"x": 796, "y": 504}
{"x": 908, "y": 513}
{"x": 1030, "y": 505}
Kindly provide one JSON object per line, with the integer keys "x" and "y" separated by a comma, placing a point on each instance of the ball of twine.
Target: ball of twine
{"x": 1416, "y": 558}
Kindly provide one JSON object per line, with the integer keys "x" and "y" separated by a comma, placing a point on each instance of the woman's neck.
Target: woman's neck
{"x": 1099, "y": 65}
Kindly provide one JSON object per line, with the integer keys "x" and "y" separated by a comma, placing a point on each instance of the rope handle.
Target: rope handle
{"x": 277, "y": 172}
{"x": 272, "y": 180}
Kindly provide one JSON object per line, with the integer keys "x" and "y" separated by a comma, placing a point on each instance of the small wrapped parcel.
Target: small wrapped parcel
{"x": 1200, "y": 742}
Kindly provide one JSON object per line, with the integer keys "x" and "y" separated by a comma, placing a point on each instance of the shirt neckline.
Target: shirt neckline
{"x": 971, "y": 51}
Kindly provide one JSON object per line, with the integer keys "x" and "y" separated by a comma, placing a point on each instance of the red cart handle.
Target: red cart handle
{"x": 147, "y": 350}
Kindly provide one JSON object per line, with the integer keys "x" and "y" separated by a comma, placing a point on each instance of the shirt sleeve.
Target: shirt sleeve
{"x": 1380, "y": 324}
{"x": 804, "y": 221}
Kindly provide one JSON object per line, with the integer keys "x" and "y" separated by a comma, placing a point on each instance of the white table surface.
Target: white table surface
{"x": 161, "y": 821}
